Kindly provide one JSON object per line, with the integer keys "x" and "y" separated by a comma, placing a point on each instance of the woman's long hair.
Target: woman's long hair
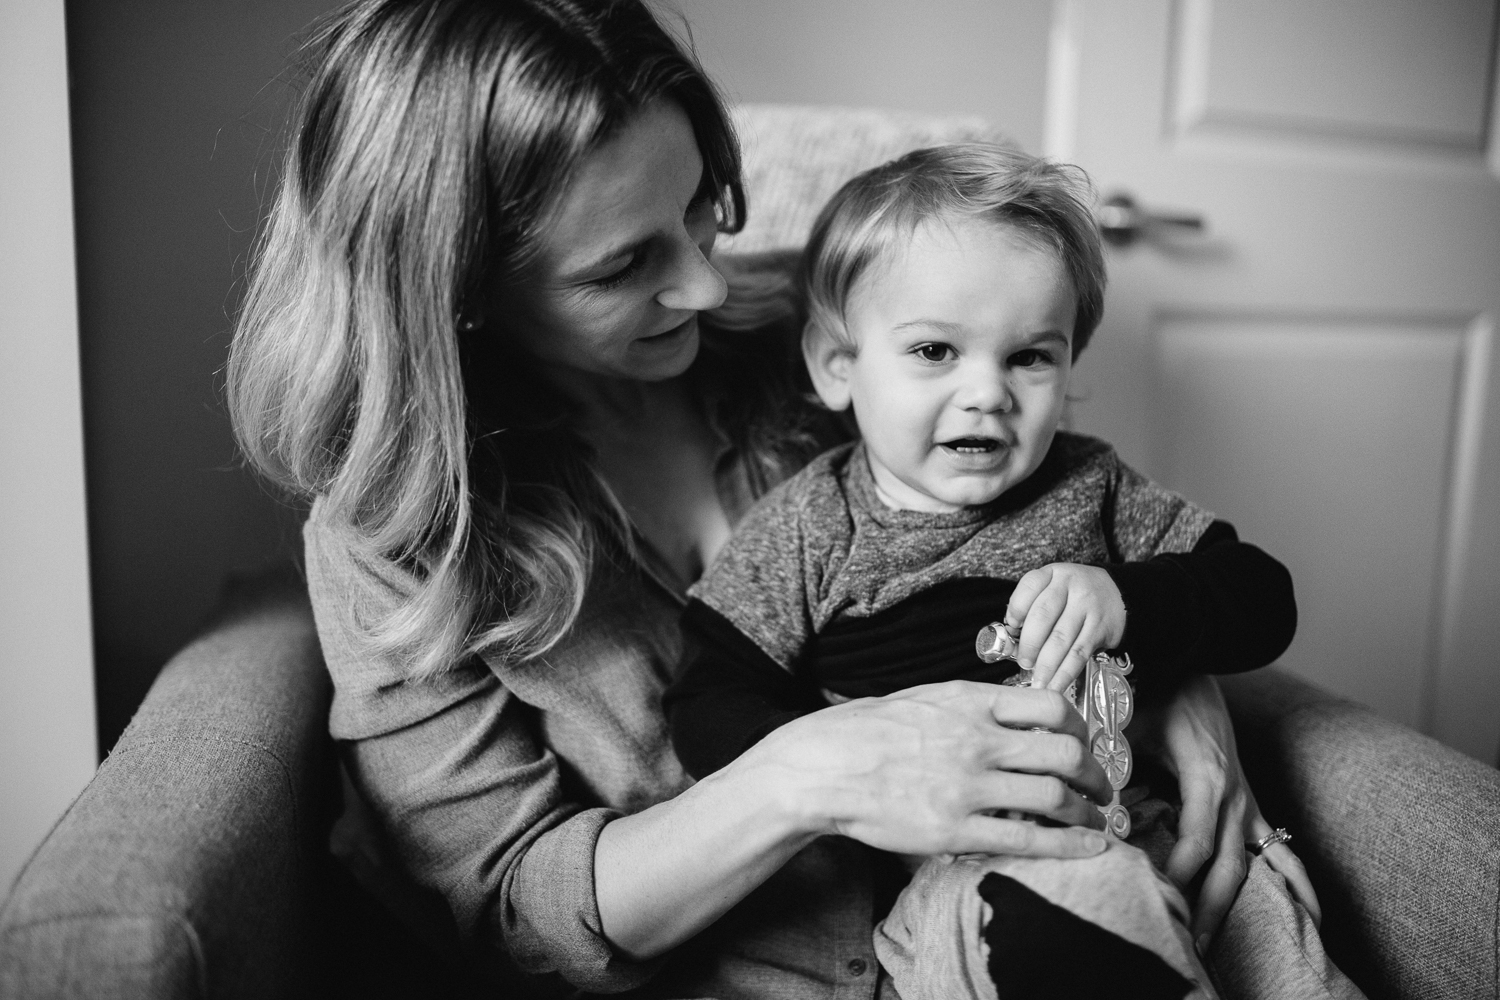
{"x": 431, "y": 140}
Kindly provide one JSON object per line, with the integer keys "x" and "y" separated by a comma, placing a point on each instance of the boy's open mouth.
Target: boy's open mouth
{"x": 971, "y": 445}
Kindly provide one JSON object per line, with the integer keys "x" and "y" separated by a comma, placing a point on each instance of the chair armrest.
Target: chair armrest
{"x": 1400, "y": 834}
{"x": 178, "y": 870}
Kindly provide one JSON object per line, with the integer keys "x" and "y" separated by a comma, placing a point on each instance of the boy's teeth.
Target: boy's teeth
{"x": 972, "y": 445}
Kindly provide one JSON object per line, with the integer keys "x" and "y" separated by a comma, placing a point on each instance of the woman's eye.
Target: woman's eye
{"x": 933, "y": 354}
{"x": 616, "y": 278}
{"x": 1030, "y": 358}
{"x": 701, "y": 210}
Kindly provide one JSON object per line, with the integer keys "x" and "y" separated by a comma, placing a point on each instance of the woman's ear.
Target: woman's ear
{"x": 828, "y": 362}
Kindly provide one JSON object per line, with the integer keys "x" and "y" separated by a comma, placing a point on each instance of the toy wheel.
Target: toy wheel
{"x": 1113, "y": 754}
{"x": 1111, "y": 689}
{"x": 1117, "y": 821}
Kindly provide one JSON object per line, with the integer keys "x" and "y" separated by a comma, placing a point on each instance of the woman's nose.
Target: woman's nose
{"x": 694, "y": 283}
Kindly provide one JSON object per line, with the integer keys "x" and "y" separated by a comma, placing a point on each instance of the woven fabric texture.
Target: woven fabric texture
{"x": 796, "y": 157}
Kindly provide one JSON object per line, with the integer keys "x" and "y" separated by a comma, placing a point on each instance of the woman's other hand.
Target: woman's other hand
{"x": 1284, "y": 861}
{"x": 1219, "y": 812}
{"x": 923, "y": 771}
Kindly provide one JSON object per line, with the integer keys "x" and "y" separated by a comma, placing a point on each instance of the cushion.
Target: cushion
{"x": 796, "y": 157}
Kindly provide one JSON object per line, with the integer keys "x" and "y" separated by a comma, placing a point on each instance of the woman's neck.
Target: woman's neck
{"x": 610, "y": 406}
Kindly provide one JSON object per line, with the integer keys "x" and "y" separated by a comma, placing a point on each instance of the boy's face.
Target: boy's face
{"x": 964, "y": 353}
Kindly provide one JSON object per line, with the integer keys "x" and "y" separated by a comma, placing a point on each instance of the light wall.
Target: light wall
{"x": 947, "y": 57}
{"x": 46, "y": 664}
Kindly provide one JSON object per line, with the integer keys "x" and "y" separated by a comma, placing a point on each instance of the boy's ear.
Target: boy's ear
{"x": 828, "y": 363}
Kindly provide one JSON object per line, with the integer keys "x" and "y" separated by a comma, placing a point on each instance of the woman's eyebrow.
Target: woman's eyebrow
{"x": 609, "y": 256}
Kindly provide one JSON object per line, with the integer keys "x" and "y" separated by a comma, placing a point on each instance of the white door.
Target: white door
{"x": 47, "y": 725}
{"x": 1318, "y": 366}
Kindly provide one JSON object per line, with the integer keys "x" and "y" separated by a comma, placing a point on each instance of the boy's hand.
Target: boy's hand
{"x": 1066, "y": 611}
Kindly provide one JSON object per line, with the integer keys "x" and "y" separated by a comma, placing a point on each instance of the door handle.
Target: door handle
{"x": 1122, "y": 221}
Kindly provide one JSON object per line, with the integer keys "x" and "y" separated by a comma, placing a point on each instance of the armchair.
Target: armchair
{"x": 197, "y": 861}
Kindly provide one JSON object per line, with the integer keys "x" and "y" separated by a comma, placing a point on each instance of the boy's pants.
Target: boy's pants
{"x": 991, "y": 927}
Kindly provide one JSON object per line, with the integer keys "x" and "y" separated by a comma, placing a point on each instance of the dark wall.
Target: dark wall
{"x": 176, "y": 110}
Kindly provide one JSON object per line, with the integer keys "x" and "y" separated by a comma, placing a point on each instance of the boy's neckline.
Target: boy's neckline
{"x": 867, "y": 493}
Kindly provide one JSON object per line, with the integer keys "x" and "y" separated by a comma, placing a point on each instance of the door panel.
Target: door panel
{"x": 1288, "y": 429}
{"x": 1384, "y": 70}
{"x": 1318, "y": 367}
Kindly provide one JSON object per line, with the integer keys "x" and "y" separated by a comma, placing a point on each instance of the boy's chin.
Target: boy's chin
{"x": 968, "y": 494}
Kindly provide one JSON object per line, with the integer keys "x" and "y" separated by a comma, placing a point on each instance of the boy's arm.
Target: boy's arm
{"x": 1224, "y": 607}
{"x": 730, "y": 695}
{"x": 747, "y": 625}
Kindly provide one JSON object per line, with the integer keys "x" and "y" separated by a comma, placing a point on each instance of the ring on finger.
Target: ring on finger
{"x": 1276, "y": 836}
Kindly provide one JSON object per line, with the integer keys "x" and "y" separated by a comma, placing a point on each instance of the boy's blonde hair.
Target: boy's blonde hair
{"x": 1048, "y": 203}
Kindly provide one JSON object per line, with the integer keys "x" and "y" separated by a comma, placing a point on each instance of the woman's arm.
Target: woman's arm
{"x": 490, "y": 780}
{"x": 1192, "y": 736}
{"x": 915, "y": 772}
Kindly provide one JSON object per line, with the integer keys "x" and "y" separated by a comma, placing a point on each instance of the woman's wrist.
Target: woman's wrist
{"x": 774, "y": 793}
{"x": 665, "y": 873}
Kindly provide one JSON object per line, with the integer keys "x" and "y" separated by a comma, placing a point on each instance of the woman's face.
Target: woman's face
{"x": 623, "y": 265}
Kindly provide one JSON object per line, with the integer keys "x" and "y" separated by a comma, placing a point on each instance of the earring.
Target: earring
{"x": 468, "y": 324}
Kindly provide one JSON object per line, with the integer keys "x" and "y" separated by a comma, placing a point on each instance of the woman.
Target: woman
{"x": 473, "y": 336}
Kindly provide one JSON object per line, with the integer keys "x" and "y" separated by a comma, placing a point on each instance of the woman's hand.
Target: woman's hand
{"x": 916, "y": 772}
{"x": 1066, "y": 611}
{"x": 1194, "y": 739}
{"x": 923, "y": 770}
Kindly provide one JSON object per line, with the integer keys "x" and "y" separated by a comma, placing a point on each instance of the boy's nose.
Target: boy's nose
{"x": 986, "y": 392}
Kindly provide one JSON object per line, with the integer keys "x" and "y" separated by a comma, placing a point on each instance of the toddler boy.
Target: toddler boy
{"x": 948, "y": 294}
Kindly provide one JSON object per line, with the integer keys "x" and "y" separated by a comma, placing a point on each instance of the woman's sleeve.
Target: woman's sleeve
{"x": 466, "y": 788}
{"x": 476, "y": 806}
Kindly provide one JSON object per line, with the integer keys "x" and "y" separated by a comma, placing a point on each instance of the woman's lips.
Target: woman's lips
{"x": 667, "y": 335}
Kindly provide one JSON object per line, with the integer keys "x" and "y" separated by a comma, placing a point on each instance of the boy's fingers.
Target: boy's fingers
{"x": 1061, "y": 644}
{"x": 1069, "y": 672}
{"x": 1027, "y": 588}
{"x": 1042, "y": 618}
{"x": 1073, "y": 662}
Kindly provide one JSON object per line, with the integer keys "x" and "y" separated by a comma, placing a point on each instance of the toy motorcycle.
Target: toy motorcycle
{"x": 1106, "y": 702}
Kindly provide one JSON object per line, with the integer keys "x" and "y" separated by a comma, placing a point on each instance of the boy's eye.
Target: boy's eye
{"x": 932, "y": 354}
{"x": 1030, "y": 358}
